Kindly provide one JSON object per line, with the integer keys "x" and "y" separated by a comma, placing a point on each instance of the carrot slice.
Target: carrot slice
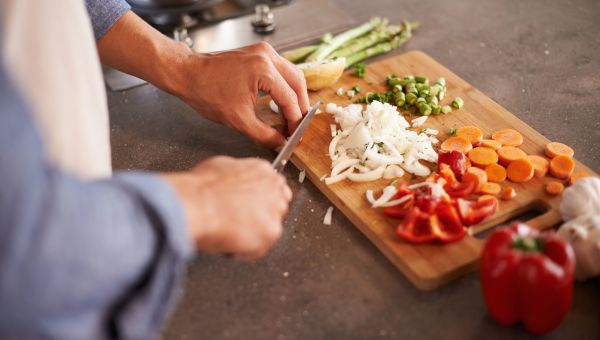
{"x": 554, "y": 149}
{"x": 508, "y": 154}
{"x": 471, "y": 133}
{"x": 508, "y": 137}
{"x": 475, "y": 174}
{"x": 456, "y": 144}
{"x": 495, "y": 173}
{"x": 481, "y": 157}
{"x": 492, "y": 144}
{"x": 577, "y": 176}
{"x": 490, "y": 188}
{"x": 540, "y": 165}
{"x": 562, "y": 166}
{"x": 554, "y": 188}
{"x": 520, "y": 170}
{"x": 508, "y": 193}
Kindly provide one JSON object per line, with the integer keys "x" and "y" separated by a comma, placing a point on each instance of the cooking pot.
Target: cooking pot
{"x": 153, "y": 7}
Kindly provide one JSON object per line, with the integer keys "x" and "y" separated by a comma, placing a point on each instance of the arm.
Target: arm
{"x": 104, "y": 259}
{"x": 221, "y": 86}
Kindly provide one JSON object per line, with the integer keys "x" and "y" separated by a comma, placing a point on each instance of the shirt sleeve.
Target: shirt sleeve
{"x": 104, "y": 14}
{"x": 82, "y": 259}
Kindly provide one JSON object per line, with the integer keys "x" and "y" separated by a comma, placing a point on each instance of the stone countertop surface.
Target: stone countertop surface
{"x": 539, "y": 59}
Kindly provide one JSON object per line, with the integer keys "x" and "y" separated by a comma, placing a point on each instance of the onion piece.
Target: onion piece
{"x": 395, "y": 202}
{"x": 273, "y": 106}
{"x": 333, "y": 129}
{"x": 386, "y": 195}
{"x": 367, "y": 176}
{"x": 340, "y": 177}
{"x": 328, "y": 214}
{"x": 343, "y": 165}
{"x": 301, "y": 176}
{"x": 419, "y": 121}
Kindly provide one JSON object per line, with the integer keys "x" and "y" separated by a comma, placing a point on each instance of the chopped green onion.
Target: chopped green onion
{"x": 360, "y": 69}
{"x": 422, "y": 80}
{"x": 356, "y": 89}
{"x": 446, "y": 109}
{"x": 411, "y": 98}
{"x": 453, "y": 131}
{"x": 425, "y": 109}
{"x": 458, "y": 102}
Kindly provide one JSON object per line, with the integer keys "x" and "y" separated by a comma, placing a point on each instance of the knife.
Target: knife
{"x": 287, "y": 150}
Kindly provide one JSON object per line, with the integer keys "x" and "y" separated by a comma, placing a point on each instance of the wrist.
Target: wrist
{"x": 173, "y": 70}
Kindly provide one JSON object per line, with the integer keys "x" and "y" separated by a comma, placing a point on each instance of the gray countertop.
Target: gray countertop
{"x": 539, "y": 59}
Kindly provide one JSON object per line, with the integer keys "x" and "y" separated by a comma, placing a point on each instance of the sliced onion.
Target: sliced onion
{"x": 340, "y": 177}
{"x": 343, "y": 166}
{"x": 327, "y": 218}
{"x": 301, "y": 176}
{"x": 367, "y": 176}
{"x": 273, "y": 106}
{"x": 395, "y": 202}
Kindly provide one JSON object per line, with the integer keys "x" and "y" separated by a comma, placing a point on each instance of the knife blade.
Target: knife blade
{"x": 287, "y": 150}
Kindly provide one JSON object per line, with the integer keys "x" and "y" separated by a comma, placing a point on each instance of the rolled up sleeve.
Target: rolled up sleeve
{"x": 82, "y": 259}
{"x": 105, "y": 13}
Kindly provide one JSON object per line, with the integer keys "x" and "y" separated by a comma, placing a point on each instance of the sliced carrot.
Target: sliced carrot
{"x": 508, "y": 137}
{"x": 554, "y": 188}
{"x": 482, "y": 157}
{"x": 476, "y": 175}
{"x": 520, "y": 170}
{"x": 540, "y": 165}
{"x": 456, "y": 144}
{"x": 492, "y": 144}
{"x": 577, "y": 176}
{"x": 554, "y": 149}
{"x": 508, "y": 154}
{"x": 472, "y": 133}
{"x": 490, "y": 188}
{"x": 508, "y": 193}
{"x": 562, "y": 166}
{"x": 495, "y": 173}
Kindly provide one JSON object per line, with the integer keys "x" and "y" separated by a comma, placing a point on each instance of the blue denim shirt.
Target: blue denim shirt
{"x": 82, "y": 259}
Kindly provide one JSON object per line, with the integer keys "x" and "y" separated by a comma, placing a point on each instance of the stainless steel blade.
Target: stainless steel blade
{"x": 287, "y": 150}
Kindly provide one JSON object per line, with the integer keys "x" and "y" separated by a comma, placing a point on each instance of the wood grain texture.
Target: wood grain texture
{"x": 427, "y": 266}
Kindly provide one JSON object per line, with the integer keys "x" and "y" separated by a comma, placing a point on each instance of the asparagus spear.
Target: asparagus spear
{"x": 383, "y": 47}
{"x": 359, "y": 44}
{"x": 299, "y": 54}
{"x": 326, "y": 49}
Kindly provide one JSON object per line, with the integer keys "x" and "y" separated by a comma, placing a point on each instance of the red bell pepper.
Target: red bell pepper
{"x": 527, "y": 276}
{"x": 456, "y": 160}
{"x": 473, "y": 212}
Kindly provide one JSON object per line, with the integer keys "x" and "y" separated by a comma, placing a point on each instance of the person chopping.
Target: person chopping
{"x": 85, "y": 254}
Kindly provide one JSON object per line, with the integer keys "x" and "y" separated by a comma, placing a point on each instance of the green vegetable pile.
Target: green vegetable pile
{"x": 414, "y": 92}
{"x": 367, "y": 40}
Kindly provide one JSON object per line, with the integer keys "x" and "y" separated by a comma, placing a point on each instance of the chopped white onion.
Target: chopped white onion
{"x": 327, "y": 218}
{"x": 333, "y": 128}
{"x": 340, "y": 92}
{"x": 301, "y": 176}
{"x": 367, "y": 176}
{"x": 379, "y": 138}
{"x": 273, "y": 106}
{"x": 395, "y": 202}
{"x": 419, "y": 121}
{"x": 338, "y": 178}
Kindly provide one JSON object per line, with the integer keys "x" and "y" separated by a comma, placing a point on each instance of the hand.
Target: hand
{"x": 233, "y": 206}
{"x": 223, "y": 87}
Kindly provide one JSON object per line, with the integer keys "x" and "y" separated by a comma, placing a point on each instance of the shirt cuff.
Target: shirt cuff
{"x": 104, "y": 14}
{"x": 159, "y": 195}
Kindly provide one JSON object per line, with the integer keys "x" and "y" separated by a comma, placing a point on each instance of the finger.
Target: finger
{"x": 260, "y": 132}
{"x": 283, "y": 95}
{"x": 295, "y": 78}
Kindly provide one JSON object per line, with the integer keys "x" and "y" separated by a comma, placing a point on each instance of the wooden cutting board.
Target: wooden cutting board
{"x": 427, "y": 266}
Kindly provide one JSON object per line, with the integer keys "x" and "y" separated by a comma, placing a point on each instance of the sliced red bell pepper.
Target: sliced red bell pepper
{"x": 473, "y": 212}
{"x": 455, "y": 159}
{"x": 453, "y": 187}
{"x": 399, "y": 211}
{"x": 527, "y": 276}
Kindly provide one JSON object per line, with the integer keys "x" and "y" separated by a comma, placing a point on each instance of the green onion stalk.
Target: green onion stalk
{"x": 329, "y": 47}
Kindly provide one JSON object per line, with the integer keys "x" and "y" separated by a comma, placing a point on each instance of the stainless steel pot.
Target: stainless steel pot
{"x": 170, "y": 6}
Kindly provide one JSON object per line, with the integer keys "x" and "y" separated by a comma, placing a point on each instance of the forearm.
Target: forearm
{"x": 134, "y": 47}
